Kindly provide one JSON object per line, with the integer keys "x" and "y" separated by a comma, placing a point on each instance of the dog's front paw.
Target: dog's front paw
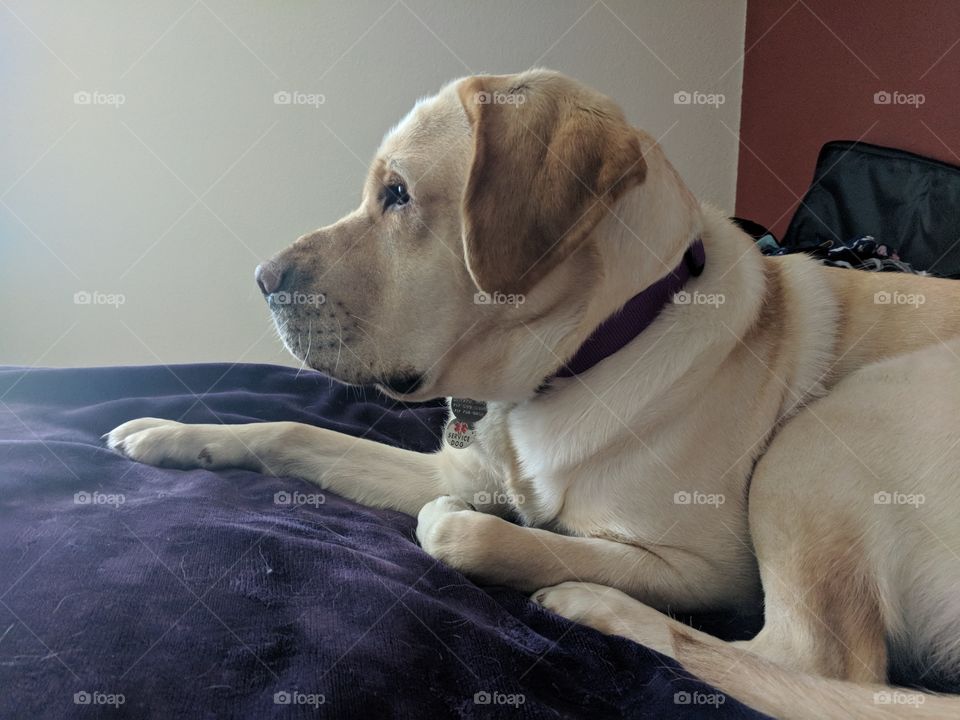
{"x": 148, "y": 440}
{"x": 450, "y": 530}
{"x": 167, "y": 443}
{"x": 433, "y": 522}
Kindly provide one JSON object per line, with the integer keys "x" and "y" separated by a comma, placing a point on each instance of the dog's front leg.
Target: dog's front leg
{"x": 368, "y": 472}
{"x": 495, "y": 551}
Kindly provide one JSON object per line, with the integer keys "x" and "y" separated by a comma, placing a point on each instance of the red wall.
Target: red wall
{"x": 810, "y": 73}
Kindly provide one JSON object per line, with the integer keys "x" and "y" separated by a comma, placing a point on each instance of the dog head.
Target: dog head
{"x": 473, "y": 265}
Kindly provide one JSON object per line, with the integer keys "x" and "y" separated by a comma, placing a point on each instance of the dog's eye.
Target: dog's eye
{"x": 395, "y": 194}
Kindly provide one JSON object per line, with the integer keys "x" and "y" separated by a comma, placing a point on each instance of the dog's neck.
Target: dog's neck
{"x": 647, "y": 237}
{"x": 637, "y": 314}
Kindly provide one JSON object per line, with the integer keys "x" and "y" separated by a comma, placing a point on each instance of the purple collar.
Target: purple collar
{"x": 636, "y": 315}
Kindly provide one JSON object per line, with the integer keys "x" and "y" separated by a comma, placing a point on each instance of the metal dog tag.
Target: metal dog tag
{"x": 461, "y": 430}
{"x": 469, "y": 410}
{"x": 459, "y": 433}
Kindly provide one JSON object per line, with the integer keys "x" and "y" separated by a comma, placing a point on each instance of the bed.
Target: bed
{"x": 130, "y": 591}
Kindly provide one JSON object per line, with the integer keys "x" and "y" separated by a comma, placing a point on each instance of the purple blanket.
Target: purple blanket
{"x": 128, "y": 591}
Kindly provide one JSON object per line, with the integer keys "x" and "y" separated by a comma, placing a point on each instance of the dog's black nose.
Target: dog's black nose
{"x": 269, "y": 277}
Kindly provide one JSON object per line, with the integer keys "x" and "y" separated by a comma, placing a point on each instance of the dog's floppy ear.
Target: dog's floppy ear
{"x": 549, "y": 158}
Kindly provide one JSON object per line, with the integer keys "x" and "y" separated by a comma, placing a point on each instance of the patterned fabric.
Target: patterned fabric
{"x": 861, "y": 253}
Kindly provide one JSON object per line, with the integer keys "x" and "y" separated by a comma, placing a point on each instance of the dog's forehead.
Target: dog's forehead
{"x": 433, "y": 122}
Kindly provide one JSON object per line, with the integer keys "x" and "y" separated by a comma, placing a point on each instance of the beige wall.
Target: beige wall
{"x": 171, "y": 198}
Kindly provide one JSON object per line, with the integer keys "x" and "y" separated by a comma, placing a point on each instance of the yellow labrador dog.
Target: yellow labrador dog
{"x": 680, "y": 423}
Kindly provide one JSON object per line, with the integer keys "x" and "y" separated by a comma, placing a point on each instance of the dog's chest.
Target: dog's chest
{"x": 580, "y": 478}
{"x": 532, "y": 495}
{"x": 545, "y": 465}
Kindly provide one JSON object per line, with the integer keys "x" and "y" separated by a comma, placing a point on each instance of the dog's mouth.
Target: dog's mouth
{"x": 329, "y": 354}
{"x": 322, "y": 337}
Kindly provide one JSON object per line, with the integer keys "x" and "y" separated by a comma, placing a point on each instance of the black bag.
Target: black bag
{"x": 906, "y": 201}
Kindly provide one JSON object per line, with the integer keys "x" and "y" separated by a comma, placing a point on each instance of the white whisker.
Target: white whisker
{"x": 376, "y": 348}
{"x": 339, "y": 341}
{"x": 306, "y": 355}
{"x": 368, "y": 322}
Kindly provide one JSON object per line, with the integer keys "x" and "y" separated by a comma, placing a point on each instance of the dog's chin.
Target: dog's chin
{"x": 406, "y": 384}
{"x": 403, "y": 386}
